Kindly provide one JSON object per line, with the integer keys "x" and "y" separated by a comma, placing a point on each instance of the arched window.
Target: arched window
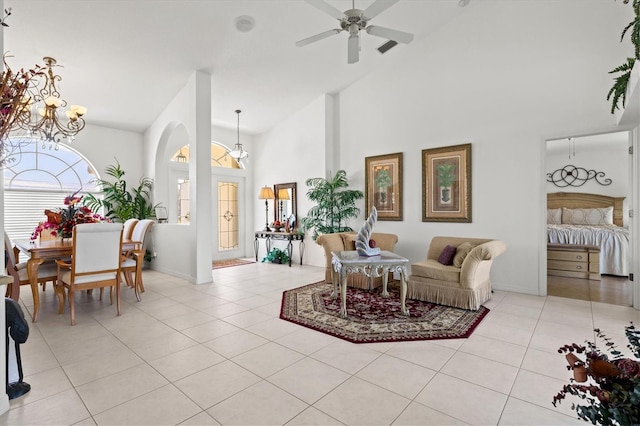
{"x": 38, "y": 178}
{"x": 219, "y": 156}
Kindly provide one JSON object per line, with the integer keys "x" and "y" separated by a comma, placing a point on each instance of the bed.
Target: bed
{"x": 590, "y": 220}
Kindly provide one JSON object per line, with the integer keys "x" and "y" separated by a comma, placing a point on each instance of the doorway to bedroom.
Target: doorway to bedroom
{"x": 588, "y": 186}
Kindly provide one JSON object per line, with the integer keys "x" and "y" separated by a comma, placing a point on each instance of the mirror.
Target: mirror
{"x": 286, "y": 203}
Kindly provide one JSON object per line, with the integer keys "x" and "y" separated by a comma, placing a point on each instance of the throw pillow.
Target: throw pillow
{"x": 461, "y": 253}
{"x": 446, "y": 257}
{"x": 350, "y": 241}
{"x": 554, "y": 216}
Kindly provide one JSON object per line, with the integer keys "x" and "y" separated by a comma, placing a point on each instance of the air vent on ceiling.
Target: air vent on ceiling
{"x": 388, "y": 45}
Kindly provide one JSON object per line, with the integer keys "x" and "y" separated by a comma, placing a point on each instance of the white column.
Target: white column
{"x": 201, "y": 205}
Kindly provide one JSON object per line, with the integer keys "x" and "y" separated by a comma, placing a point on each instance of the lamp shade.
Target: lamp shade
{"x": 266, "y": 193}
{"x": 283, "y": 194}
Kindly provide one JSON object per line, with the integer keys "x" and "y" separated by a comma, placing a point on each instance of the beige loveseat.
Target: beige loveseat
{"x": 342, "y": 241}
{"x": 467, "y": 285}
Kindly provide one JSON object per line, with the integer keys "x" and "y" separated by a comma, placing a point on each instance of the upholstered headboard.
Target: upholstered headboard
{"x": 578, "y": 200}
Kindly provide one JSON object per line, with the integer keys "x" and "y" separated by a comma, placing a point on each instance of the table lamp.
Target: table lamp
{"x": 266, "y": 194}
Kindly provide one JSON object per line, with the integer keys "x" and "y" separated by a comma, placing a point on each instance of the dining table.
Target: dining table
{"x": 40, "y": 251}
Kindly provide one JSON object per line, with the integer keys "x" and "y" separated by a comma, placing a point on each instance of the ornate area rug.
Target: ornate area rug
{"x": 372, "y": 318}
{"x": 217, "y": 264}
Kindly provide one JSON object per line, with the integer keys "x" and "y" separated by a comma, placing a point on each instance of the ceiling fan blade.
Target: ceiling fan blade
{"x": 317, "y": 37}
{"x": 377, "y": 7}
{"x": 388, "y": 33}
{"x": 353, "y": 49}
{"x": 326, "y": 8}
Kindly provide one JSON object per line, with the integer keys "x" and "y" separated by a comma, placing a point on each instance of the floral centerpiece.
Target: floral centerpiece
{"x": 612, "y": 394}
{"x": 60, "y": 223}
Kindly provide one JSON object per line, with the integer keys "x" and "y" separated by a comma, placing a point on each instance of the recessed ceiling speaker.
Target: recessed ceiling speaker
{"x": 244, "y": 23}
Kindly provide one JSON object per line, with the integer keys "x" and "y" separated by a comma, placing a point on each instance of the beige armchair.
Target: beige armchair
{"x": 465, "y": 284}
{"x": 342, "y": 241}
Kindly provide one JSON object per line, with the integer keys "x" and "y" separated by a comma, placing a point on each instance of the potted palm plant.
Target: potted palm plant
{"x": 618, "y": 92}
{"x": 121, "y": 203}
{"x": 335, "y": 204}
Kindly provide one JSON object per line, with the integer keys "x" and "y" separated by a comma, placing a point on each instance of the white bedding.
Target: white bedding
{"x": 612, "y": 240}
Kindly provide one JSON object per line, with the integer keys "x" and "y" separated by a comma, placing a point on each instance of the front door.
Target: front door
{"x": 228, "y": 239}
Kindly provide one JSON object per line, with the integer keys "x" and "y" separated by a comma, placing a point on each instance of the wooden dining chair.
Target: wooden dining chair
{"x": 132, "y": 261}
{"x": 47, "y": 271}
{"x": 95, "y": 263}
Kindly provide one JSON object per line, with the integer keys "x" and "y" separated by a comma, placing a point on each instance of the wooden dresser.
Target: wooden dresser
{"x": 573, "y": 261}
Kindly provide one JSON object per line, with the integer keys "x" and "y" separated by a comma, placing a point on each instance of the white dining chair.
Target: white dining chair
{"x": 95, "y": 263}
{"x": 133, "y": 260}
{"x": 127, "y": 230}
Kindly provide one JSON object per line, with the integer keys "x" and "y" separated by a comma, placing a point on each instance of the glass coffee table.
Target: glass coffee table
{"x": 350, "y": 262}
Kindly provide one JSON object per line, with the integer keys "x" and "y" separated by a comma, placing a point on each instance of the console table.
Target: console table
{"x": 285, "y": 236}
{"x": 350, "y": 262}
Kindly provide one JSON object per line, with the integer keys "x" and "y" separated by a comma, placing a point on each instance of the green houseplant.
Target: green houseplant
{"x": 276, "y": 255}
{"x": 618, "y": 92}
{"x": 612, "y": 389}
{"x": 120, "y": 202}
{"x": 335, "y": 204}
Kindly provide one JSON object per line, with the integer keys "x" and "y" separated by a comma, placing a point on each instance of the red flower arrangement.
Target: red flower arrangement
{"x": 61, "y": 222}
{"x": 15, "y": 99}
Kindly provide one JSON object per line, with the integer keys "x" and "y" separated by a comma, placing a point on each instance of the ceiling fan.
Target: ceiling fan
{"x": 354, "y": 20}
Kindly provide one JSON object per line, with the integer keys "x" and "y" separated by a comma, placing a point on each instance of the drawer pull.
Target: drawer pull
{"x": 579, "y": 257}
{"x": 578, "y": 267}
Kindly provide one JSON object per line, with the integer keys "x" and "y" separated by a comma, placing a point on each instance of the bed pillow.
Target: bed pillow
{"x": 446, "y": 257}
{"x": 461, "y": 253}
{"x": 594, "y": 217}
{"x": 554, "y": 216}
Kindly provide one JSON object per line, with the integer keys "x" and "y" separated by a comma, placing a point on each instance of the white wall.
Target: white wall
{"x": 292, "y": 151}
{"x": 504, "y": 77}
{"x": 103, "y": 145}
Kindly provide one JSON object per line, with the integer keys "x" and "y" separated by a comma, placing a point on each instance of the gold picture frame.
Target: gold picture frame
{"x": 383, "y": 184}
{"x": 446, "y": 184}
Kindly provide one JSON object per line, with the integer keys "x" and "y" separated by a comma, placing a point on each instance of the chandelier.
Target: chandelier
{"x": 238, "y": 152}
{"x": 46, "y": 124}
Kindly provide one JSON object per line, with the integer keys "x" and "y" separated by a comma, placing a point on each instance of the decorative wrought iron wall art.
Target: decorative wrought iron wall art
{"x": 576, "y": 176}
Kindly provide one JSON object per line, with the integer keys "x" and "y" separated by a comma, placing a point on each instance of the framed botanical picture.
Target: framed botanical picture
{"x": 446, "y": 184}
{"x": 383, "y": 183}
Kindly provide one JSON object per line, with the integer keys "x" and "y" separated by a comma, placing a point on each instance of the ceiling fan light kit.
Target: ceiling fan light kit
{"x": 353, "y": 21}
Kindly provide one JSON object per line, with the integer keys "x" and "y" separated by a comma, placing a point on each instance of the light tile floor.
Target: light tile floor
{"x": 219, "y": 354}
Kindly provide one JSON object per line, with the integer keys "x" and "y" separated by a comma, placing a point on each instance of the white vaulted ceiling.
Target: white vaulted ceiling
{"x": 126, "y": 59}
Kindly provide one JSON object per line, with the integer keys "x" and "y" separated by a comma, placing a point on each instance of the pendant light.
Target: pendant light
{"x": 238, "y": 153}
